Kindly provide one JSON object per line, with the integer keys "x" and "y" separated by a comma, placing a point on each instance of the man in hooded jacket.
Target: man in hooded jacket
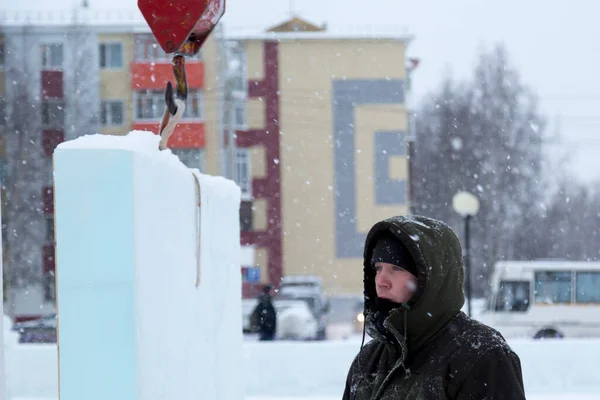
{"x": 423, "y": 346}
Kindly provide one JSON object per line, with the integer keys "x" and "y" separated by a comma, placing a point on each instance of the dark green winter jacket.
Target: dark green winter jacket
{"x": 429, "y": 349}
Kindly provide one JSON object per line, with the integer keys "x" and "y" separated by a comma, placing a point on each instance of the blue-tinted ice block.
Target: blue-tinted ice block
{"x": 95, "y": 285}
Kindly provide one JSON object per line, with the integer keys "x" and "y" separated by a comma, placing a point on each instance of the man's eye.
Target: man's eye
{"x": 398, "y": 268}
{"x": 377, "y": 268}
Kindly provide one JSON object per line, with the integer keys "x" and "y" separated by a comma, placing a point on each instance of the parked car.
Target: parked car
{"x": 308, "y": 288}
{"x": 248, "y": 306}
{"x": 302, "y": 282}
{"x": 295, "y": 321}
{"x": 40, "y": 330}
{"x": 294, "y": 318}
{"x": 317, "y": 306}
{"x": 346, "y": 317}
{"x": 305, "y": 288}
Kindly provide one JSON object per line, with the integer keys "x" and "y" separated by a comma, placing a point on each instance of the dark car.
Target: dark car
{"x": 41, "y": 330}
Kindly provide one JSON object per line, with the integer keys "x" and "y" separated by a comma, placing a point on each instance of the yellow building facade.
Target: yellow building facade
{"x": 327, "y": 131}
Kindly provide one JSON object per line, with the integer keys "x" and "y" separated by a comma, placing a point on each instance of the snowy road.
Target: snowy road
{"x": 536, "y": 397}
{"x": 533, "y": 397}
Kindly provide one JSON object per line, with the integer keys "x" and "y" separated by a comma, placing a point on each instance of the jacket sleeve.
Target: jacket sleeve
{"x": 347, "y": 393}
{"x": 497, "y": 375}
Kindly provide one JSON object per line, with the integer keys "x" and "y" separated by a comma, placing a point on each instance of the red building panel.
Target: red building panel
{"x": 50, "y": 139}
{"x": 156, "y": 75}
{"x": 52, "y": 84}
{"x": 251, "y": 290}
{"x": 269, "y": 187}
{"x": 185, "y": 136}
{"x": 48, "y": 199}
{"x": 48, "y": 261}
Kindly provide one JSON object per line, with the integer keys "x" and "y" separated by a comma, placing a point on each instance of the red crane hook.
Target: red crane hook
{"x": 182, "y": 26}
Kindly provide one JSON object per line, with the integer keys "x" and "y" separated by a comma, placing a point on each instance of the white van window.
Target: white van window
{"x": 513, "y": 296}
{"x": 588, "y": 287}
{"x": 553, "y": 287}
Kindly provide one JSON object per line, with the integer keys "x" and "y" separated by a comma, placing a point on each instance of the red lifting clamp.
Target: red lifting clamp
{"x": 182, "y": 26}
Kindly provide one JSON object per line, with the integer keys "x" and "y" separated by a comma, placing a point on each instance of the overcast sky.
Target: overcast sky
{"x": 553, "y": 43}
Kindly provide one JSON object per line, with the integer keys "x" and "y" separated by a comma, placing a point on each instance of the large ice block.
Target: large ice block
{"x": 133, "y": 323}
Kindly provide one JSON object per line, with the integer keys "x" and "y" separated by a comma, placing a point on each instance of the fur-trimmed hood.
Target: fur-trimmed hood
{"x": 437, "y": 254}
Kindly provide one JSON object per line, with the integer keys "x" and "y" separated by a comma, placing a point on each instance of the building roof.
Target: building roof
{"x": 322, "y": 35}
{"x": 130, "y": 20}
{"x": 121, "y": 20}
{"x": 296, "y": 24}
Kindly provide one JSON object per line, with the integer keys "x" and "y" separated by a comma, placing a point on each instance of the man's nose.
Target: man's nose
{"x": 382, "y": 279}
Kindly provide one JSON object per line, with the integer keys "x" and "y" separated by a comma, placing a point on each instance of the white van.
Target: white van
{"x": 544, "y": 299}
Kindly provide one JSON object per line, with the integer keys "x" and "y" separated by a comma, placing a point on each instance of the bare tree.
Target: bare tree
{"x": 70, "y": 111}
{"x": 81, "y": 78}
{"x": 23, "y": 221}
{"x": 571, "y": 222}
{"x": 485, "y": 136}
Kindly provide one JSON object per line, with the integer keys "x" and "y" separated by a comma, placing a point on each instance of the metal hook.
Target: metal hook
{"x": 175, "y": 103}
{"x": 171, "y": 106}
{"x": 180, "y": 83}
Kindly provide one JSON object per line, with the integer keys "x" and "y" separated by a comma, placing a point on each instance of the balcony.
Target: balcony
{"x": 186, "y": 135}
{"x": 153, "y": 75}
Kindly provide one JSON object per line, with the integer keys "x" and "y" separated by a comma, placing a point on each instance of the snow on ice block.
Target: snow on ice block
{"x": 133, "y": 324}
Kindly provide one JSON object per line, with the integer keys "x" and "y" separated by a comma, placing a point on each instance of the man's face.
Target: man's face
{"x": 394, "y": 283}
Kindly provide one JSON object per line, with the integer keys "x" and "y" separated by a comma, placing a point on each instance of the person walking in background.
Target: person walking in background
{"x": 264, "y": 316}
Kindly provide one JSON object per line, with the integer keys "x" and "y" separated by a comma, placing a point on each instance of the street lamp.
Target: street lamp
{"x": 467, "y": 205}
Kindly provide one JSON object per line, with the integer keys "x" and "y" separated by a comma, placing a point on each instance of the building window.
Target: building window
{"x": 244, "y": 173}
{"x": 240, "y": 119}
{"x": 111, "y": 112}
{"x": 238, "y": 64}
{"x": 192, "y": 158}
{"x": 53, "y": 113}
{"x": 240, "y": 114}
{"x": 246, "y": 216}
{"x": 52, "y": 56}
{"x": 147, "y": 49}
{"x": 3, "y": 114}
{"x": 50, "y": 178}
{"x": 111, "y": 55}
{"x": 50, "y": 230}
{"x": 49, "y": 266}
{"x": 150, "y": 104}
{"x": 2, "y": 49}
{"x": 49, "y": 286}
{"x": 194, "y": 105}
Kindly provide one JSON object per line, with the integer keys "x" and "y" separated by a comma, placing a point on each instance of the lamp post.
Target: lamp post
{"x": 466, "y": 205}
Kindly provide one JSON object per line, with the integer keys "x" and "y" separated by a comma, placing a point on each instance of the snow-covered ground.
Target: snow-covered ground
{"x": 552, "y": 369}
{"x": 565, "y": 396}
{"x": 285, "y": 370}
{"x": 540, "y": 397}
